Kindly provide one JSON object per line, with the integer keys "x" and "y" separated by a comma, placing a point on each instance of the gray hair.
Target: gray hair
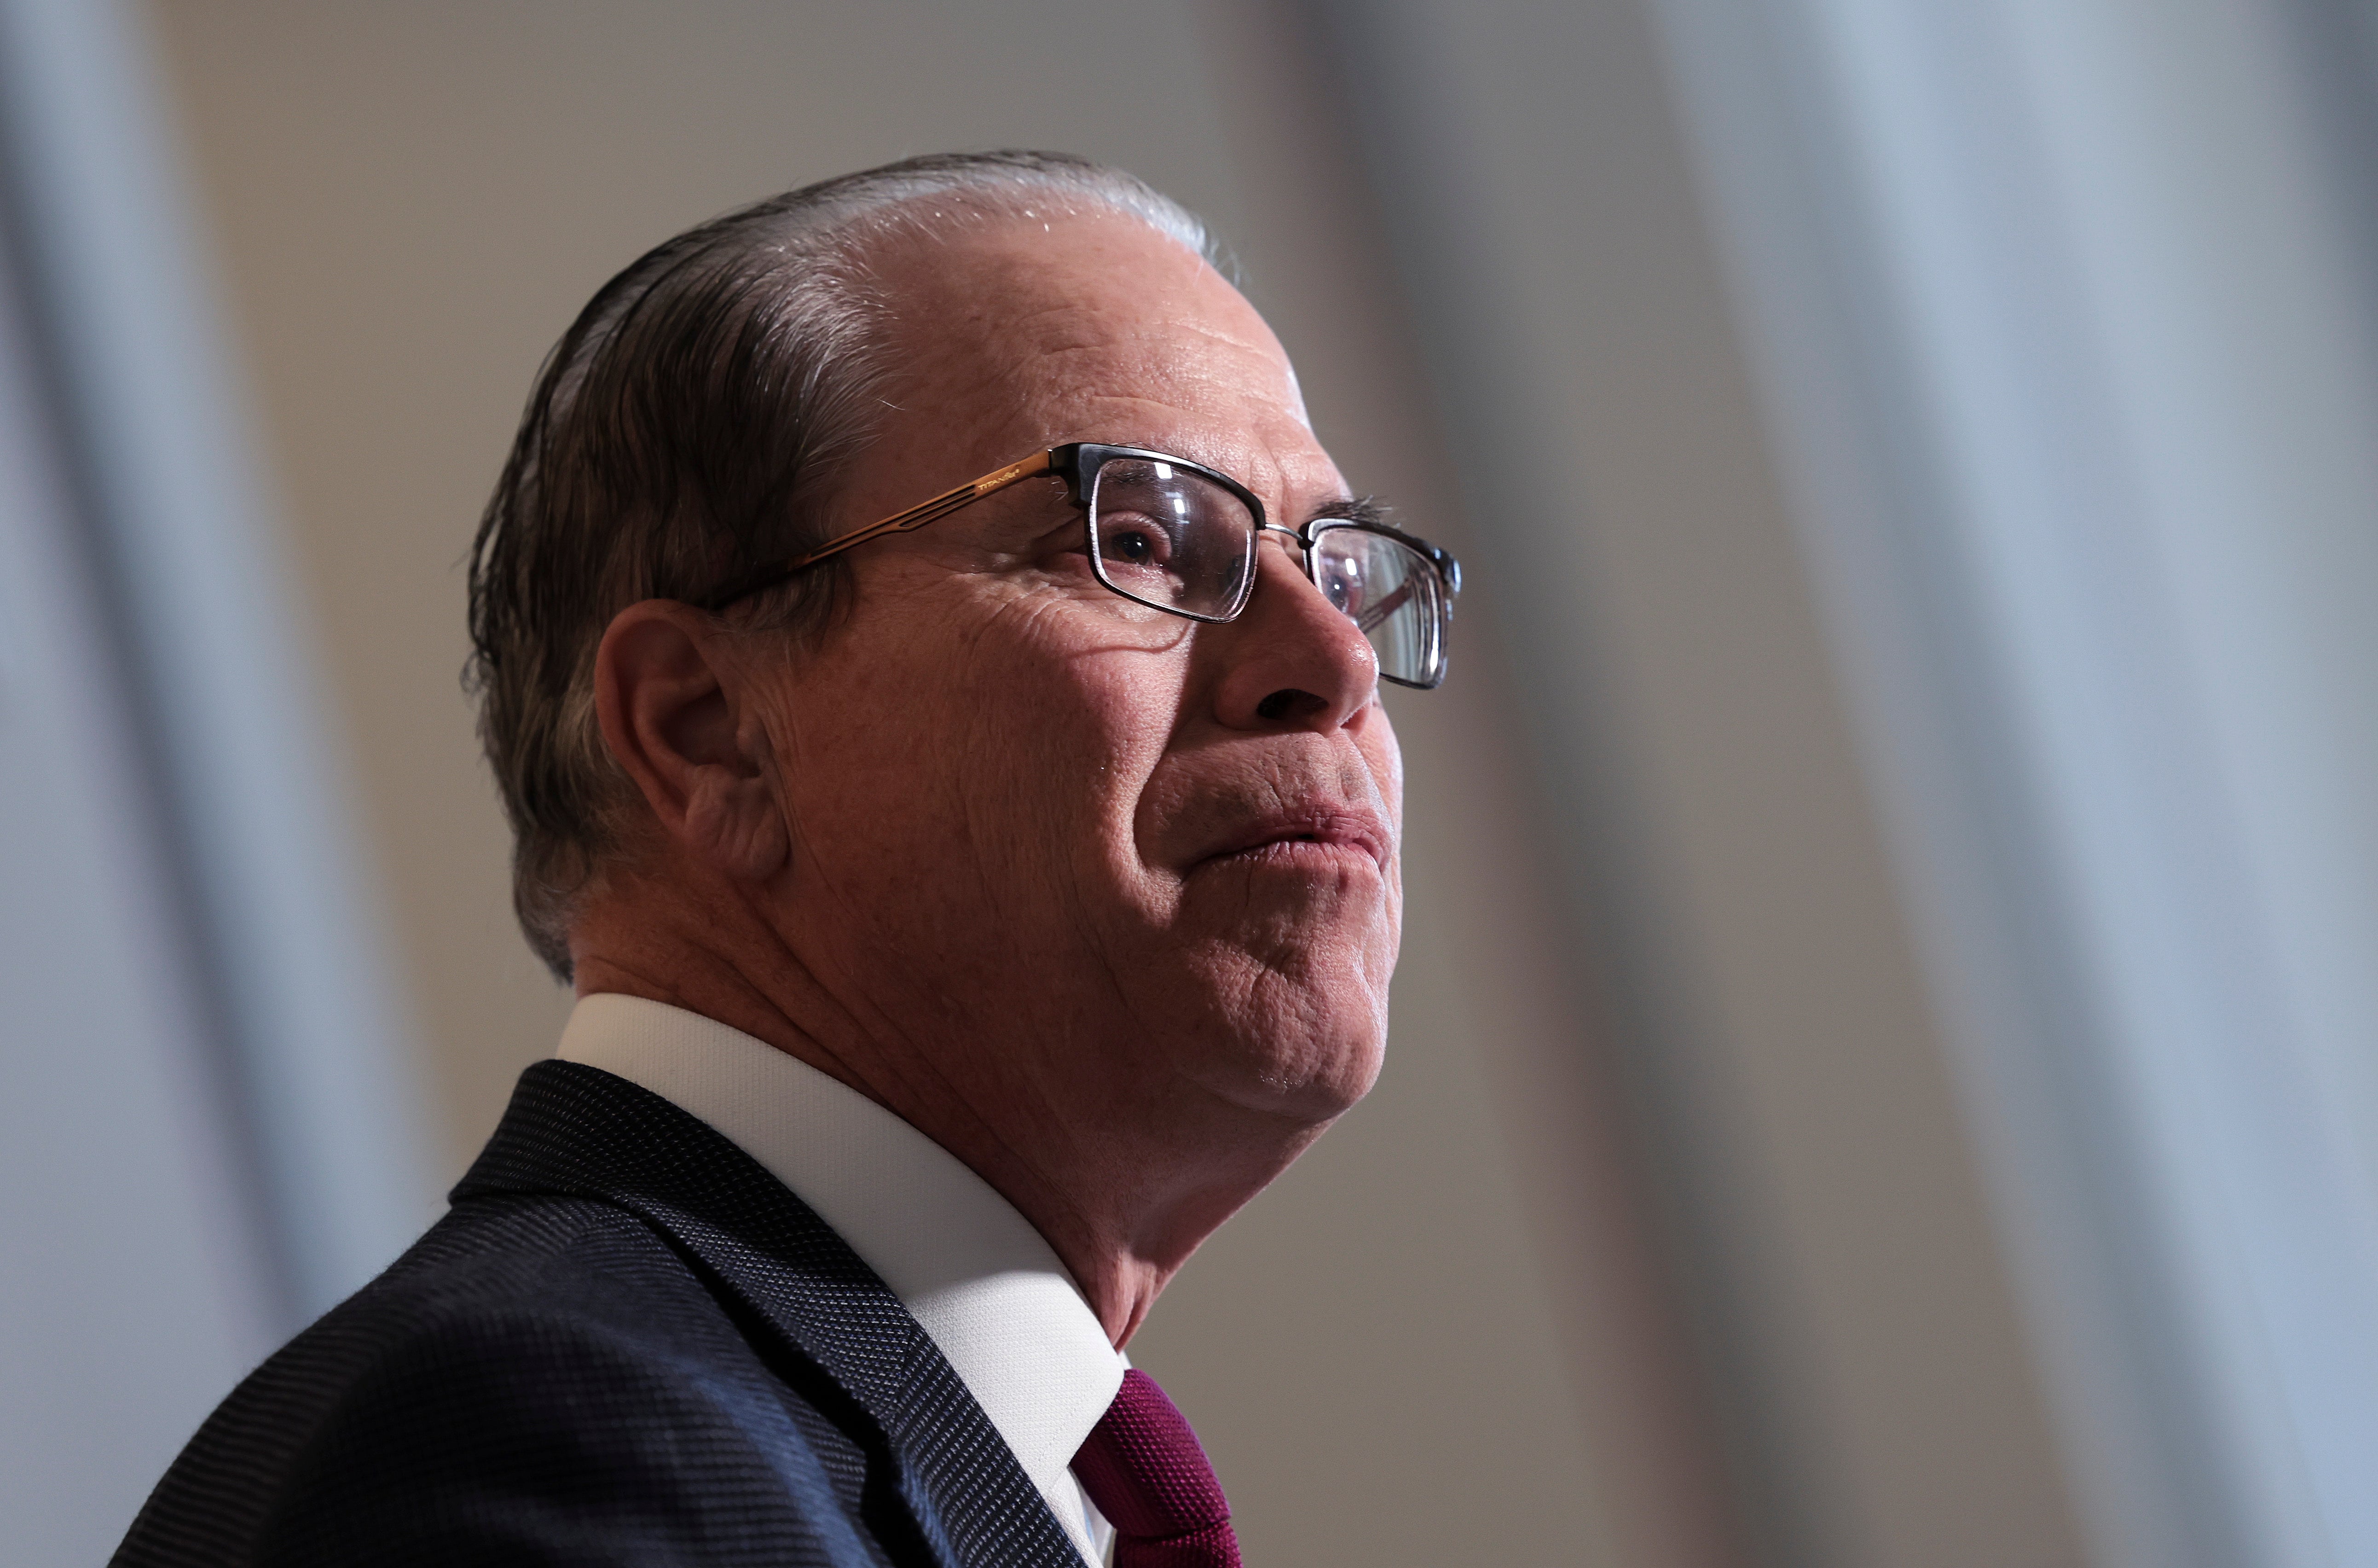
{"x": 686, "y": 431}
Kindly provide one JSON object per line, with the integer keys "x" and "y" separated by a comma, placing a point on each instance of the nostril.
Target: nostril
{"x": 1290, "y": 703}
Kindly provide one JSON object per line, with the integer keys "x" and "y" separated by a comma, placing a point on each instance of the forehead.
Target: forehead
{"x": 1017, "y": 331}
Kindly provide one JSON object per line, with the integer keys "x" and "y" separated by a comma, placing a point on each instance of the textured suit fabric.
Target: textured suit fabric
{"x": 625, "y": 1343}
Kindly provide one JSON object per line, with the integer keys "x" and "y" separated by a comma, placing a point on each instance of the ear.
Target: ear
{"x": 676, "y": 712}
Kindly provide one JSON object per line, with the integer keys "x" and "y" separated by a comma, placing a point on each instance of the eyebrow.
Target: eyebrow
{"x": 1355, "y": 509}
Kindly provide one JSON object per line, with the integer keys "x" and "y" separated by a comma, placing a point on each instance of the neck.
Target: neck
{"x": 1123, "y": 1186}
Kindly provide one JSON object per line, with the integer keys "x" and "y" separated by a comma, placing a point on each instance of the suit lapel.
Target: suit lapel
{"x": 939, "y": 1478}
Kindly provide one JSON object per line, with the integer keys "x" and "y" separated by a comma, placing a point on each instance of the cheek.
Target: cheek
{"x": 1103, "y": 724}
{"x": 988, "y": 758}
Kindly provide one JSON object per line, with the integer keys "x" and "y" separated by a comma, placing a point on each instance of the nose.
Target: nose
{"x": 1292, "y": 660}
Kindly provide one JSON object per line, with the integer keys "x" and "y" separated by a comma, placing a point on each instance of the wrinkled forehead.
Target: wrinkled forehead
{"x": 1025, "y": 329}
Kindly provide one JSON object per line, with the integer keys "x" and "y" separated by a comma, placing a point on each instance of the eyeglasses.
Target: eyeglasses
{"x": 1181, "y": 537}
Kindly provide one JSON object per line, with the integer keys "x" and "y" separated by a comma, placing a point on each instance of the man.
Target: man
{"x": 933, "y": 670}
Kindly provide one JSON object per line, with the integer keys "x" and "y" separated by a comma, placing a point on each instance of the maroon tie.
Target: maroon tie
{"x": 1142, "y": 1466}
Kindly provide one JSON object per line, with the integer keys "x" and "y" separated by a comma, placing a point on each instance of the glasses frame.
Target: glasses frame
{"x": 1077, "y": 463}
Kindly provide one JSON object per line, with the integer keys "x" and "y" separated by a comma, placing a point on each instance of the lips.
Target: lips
{"x": 1330, "y": 828}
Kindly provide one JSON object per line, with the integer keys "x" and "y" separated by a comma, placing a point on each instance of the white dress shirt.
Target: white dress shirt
{"x": 1000, "y": 1306}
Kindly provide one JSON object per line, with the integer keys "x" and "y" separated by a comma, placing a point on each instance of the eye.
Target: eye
{"x": 1134, "y": 540}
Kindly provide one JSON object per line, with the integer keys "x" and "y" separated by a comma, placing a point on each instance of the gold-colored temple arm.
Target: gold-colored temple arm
{"x": 924, "y": 513}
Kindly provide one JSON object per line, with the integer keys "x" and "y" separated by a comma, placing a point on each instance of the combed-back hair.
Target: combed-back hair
{"x": 686, "y": 431}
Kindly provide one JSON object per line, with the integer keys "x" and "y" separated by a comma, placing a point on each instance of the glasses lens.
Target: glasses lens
{"x": 1393, "y": 592}
{"x": 1169, "y": 537}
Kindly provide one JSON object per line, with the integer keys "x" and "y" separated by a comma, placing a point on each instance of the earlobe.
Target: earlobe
{"x": 674, "y": 711}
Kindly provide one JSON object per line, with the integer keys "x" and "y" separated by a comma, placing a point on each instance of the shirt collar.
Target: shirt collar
{"x": 984, "y": 1283}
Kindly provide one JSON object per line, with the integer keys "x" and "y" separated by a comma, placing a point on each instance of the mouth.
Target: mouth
{"x": 1308, "y": 838}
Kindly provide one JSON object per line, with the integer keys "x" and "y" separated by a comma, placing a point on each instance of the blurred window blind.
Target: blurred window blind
{"x": 209, "y": 1134}
{"x": 2068, "y": 342}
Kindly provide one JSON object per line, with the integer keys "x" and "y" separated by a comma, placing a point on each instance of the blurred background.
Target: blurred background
{"x": 1885, "y": 1066}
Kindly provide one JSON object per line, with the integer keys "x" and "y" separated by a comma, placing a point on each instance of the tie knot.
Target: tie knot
{"x": 1144, "y": 1468}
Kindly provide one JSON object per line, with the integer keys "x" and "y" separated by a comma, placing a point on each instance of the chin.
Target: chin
{"x": 1293, "y": 1048}
{"x": 1279, "y": 1004}
{"x": 1324, "y": 1082}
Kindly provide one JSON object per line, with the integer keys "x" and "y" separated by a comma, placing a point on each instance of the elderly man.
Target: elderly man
{"x": 932, "y": 670}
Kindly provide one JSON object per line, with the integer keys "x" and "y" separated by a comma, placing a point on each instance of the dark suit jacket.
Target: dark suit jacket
{"x": 626, "y": 1343}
